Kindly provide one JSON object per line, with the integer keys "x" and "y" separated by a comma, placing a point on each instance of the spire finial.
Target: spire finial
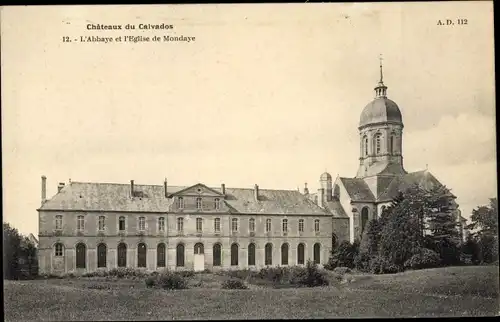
{"x": 381, "y": 73}
{"x": 381, "y": 89}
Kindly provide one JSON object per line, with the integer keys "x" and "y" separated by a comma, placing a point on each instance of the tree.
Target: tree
{"x": 484, "y": 221}
{"x": 11, "y": 251}
{"x": 443, "y": 225}
{"x": 368, "y": 247}
{"x": 402, "y": 227}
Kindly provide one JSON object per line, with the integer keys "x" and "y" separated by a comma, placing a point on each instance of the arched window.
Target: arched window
{"x": 217, "y": 255}
{"x": 391, "y": 143}
{"x": 199, "y": 249}
{"x": 234, "y": 255}
{"x": 284, "y": 254}
{"x": 365, "y": 145}
{"x": 316, "y": 253}
{"x": 161, "y": 255}
{"x": 268, "y": 256}
{"x": 101, "y": 255}
{"x": 300, "y": 254}
{"x": 251, "y": 254}
{"x": 378, "y": 139}
{"x": 180, "y": 255}
{"x": 122, "y": 255}
{"x": 251, "y": 225}
{"x": 364, "y": 218}
{"x": 382, "y": 209}
{"x": 121, "y": 223}
{"x": 334, "y": 241}
{"x": 58, "y": 250}
{"x": 81, "y": 252}
{"x": 141, "y": 255}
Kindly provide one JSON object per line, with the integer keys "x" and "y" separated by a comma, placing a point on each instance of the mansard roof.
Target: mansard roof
{"x": 86, "y": 196}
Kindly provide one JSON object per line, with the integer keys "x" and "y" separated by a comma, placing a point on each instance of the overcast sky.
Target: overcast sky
{"x": 267, "y": 94}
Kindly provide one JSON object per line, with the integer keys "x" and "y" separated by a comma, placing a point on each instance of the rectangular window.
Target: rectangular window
{"x": 142, "y": 223}
{"x": 102, "y": 223}
{"x": 121, "y": 223}
{"x": 268, "y": 225}
{"x": 80, "y": 223}
{"x": 180, "y": 224}
{"x": 198, "y": 203}
{"x": 217, "y": 203}
{"x": 301, "y": 225}
{"x": 234, "y": 224}
{"x": 285, "y": 225}
{"x": 180, "y": 202}
{"x": 316, "y": 225}
{"x": 58, "y": 222}
{"x": 251, "y": 225}
{"x": 161, "y": 224}
{"x": 199, "y": 225}
{"x": 217, "y": 225}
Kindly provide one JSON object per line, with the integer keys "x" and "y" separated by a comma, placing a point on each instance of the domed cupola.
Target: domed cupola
{"x": 381, "y": 109}
{"x": 381, "y": 135}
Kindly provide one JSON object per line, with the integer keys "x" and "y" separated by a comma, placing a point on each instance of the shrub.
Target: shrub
{"x": 343, "y": 256}
{"x": 186, "y": 273}
{"x": 313, "y": 276}
{"x": 234, "y": 284}
{"x": 342, "y": 270}
{"x": 150, "y": 281}
{"x": 425, "y": 259}
{"x": 362, "y": 261}
{"x": 171, "y": 281}
{"x": 381, "y": 265}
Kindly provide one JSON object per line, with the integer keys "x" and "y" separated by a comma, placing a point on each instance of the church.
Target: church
{"x": 380, "y": 176}
{"x": 89, "y": 226}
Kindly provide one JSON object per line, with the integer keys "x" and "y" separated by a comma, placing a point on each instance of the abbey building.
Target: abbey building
{"x": 99, "y": 226}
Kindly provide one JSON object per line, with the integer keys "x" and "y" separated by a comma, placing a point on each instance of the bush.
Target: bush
{"x": 381, "y": 265}
{"x": 186, "y": 273}
{"x": 362, "y": 262}
{"x": 171, "y": 281}
{"x": 343, "y": 256}
{"x": 426, "y": 259}
{"x": 234, "y": 284}
{"x": 150, "y": 281}
{"x": 313, "y": 276}
{"x": 342, "y": 270}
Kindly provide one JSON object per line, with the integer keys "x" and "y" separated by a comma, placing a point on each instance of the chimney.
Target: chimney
{"x": 44, "y": 189}
{"x": 60, "y": 186}
{"x": 132, "y": 188}
{"x": 223, "y": 188}
{"x": 306, "y": 190}
{"x": 165, "y": 187}
{"x": 256, "y": 192}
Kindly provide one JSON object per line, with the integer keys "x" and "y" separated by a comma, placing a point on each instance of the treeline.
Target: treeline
{"x": 420, "y": 230}
{"x": 19, "y": 255}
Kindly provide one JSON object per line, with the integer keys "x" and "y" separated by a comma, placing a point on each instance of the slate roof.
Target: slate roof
{"x": 380, "y": 109}
{"x": 83, "y": 196}
{"x": 357, "y": 189}
{"x": 387, "y": 187}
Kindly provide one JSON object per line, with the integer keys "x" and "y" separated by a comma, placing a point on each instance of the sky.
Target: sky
{"x": 266, "y": 94}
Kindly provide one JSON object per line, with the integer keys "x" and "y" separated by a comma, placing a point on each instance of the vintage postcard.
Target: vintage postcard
{"x": 249, "y": 161}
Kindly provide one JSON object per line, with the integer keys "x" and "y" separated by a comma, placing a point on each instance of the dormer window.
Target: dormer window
{"x": 198, "y": 203}
{"x": 180, "y": 202}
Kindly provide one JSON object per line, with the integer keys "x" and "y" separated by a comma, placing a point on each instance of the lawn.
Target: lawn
{"x": 454, "y": 291}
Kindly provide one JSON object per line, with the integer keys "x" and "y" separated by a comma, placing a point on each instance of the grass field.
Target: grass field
{"x": 453, "y": 291}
